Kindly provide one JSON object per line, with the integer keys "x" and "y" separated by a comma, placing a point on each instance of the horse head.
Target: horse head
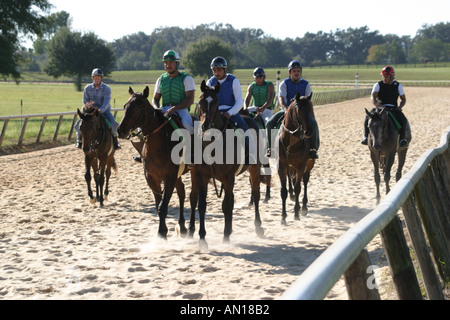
{"x": 91, "y": 128}
{"x": 209, "y": 106}
{"x": 377, "y": 127}
{"x": 135, "y": 112}
{"x": 299, "y": 115}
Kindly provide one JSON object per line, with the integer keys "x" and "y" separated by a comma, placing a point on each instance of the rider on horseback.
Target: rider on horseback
{"x": 231, "y": 101}
{"x": 177, "y": 90}
{"x": 289, "y": 87}
{"x": 98, "y": 95}
{"x": 385, "y": 94}
{"x": 262, "y": 92}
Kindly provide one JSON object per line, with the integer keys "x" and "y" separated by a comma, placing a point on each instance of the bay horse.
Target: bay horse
{"x": 294, "y": 145}
{"x": 383, "y": 144}
{"x": 156, "y": 155}
{"x": 98, "y": 152}
{"x": 225, "y": 172}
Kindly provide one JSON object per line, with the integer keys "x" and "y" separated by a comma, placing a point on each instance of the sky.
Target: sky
{"x": 111, "y": 20}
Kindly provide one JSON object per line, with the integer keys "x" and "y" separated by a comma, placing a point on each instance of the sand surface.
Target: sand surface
{"x": 54, "y": 244}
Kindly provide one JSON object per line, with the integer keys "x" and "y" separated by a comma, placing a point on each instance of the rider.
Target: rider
{"x": 230, "y": 98}
{"x": 177, "y": 90}
{"x": 262, "y": 92}
{"x": 98, "y": 95}
{"x": 289, "y": 87}
{"x": 386, "y": 93}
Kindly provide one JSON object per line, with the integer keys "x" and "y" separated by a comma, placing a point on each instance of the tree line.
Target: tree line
{"x": 58, "y": 50}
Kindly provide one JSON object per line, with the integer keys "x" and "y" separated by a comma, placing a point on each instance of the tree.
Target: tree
{"x": 72, "y": 54}
{"x": 430, "y": 50}
{"x": 199, "y": 55}
{"x": 156, "y": 56}
{"x": 16, "y": 18}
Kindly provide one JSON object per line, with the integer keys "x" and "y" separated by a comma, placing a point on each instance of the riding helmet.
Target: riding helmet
{"x": 388, "y": 71}
{"x": 171, "y": 55}
{"x": 97, "y": 72}
{"x": 294, "y": 64}
{"x": 219, "y": 62}
{"x": 258, "y": 72}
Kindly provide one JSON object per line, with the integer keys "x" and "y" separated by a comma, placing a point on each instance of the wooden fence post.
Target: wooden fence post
{"x": 41, "y": 130}
{"x": 357, "y": 279}
{"x": 422, "y": 252}
{"x": 400, "y": 263}
{"x": 433, "y": 230}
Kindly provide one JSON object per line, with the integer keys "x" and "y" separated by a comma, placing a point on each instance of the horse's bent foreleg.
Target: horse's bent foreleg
{"x": 401, "y": 162}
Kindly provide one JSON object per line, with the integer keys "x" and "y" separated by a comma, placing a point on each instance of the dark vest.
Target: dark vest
{"x": 293, "y": 88}
{"x": 225, "y": 95}
{"x": 388, "y": 93}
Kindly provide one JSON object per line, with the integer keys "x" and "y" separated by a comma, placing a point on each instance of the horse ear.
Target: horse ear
{"x": 310, "y": 96}
{"x": 368, "y": 113}
{"x": 130, "y": 91}
{"x": 79, "y": 113}
{"x": 146, "y": 92}
{"x": 217, "y": 88}
{"x": 203, "y": 85}
{"x": 297, "y": 96}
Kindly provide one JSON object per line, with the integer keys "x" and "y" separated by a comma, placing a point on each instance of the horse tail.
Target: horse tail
{"x": 114, "y": 166}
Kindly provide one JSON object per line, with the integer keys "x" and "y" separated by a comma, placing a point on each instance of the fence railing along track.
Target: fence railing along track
{"x": 423, "y": 193}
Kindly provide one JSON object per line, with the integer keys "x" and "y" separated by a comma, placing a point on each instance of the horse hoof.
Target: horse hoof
{"x": 203, "y": 245}
{"x": 266, "y": 200}
{"x": 304, "y": 213}
{"x": 297, "y": 217}
{"x": 92, "y": 201}
{"x": 283, "y": 222}
{"x": 260, "y": 232}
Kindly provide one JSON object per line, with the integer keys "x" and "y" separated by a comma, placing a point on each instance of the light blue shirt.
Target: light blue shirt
{"x": 101, "y": 96}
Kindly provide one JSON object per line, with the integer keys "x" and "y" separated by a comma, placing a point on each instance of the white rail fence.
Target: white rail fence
{"x": 318, "y": 98}
{"x": 423, "y": 193}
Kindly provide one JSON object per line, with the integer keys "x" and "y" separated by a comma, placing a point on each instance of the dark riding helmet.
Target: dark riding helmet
{"x": 294, "y": 64}
{"x": 258, "y": 72}
{"x": 219, "y": 62}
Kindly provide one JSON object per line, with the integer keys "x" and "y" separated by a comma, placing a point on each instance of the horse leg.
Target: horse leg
{"x": 291, "y": 188}
{"x": 202, "y": 193}
{"x": 255, "y": 181}
{"x": 306, "y": 176}
{"x": 268, "y": 180}
{"x": 101, "y": 183}
{"x": 283, "y": 192}
{"x": 297, "y": 190}
{"x": 227, "y": 209}
{"x": 88, "y": 178}
{"x": 193, "y": 199}
{"x": 376, "y": 167}
{"x": 108, "y": 175}
{"x": 169, "y": 185}
{"x": 387, "y": 171}
{"x": 401, "y": 161}
{"x": 179, "y": 185}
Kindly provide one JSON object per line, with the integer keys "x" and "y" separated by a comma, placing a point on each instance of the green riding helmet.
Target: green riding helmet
{"x": 171, "y": 55}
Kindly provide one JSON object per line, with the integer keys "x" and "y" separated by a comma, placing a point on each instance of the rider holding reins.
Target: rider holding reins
{"x": 385, "y": 93}
{"x": 262, "y": 92}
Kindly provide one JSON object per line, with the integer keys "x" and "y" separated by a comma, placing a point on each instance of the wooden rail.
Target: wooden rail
{"x": 423, "y": 193}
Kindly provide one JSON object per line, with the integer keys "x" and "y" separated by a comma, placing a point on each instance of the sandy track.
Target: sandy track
{"x": 55, "y": 245}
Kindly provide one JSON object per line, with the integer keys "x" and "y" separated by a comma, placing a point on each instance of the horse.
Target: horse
{"x": 211, "y": 118}
{"x": 156, "y": 155}
{"x": 294, "y": 162}
{"x": 383, "y": 144}
{"x": 98, "y": 152}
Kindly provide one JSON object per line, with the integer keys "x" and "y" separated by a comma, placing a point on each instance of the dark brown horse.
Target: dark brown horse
{"x": 156, "y": 155}
{"x": 224, "y": 173}
{"x": 383, "y": 145}
{"x": 98, "y": 152}
{"x": 294, "y": 161}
